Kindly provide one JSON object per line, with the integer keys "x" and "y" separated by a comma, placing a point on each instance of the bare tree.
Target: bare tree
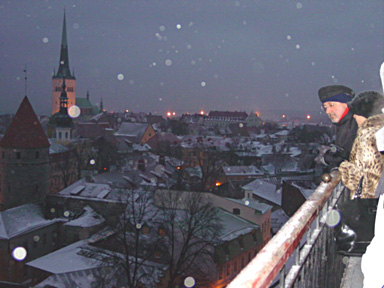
{"x": 193, "y": 229}
{"x": 136, "y": 240}
{"x": 210, "y": 162}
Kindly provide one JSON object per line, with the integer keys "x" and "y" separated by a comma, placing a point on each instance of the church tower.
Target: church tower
{"x": 24, "y": 160}
{"x": 63, "y": 72}
{"x": 63, "y": 122}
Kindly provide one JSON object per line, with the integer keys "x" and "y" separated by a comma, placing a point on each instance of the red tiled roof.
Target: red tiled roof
{"x": 25, "y": 130}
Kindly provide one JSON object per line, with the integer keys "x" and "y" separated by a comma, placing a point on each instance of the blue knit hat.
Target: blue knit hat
{"x": 336, "y": 93}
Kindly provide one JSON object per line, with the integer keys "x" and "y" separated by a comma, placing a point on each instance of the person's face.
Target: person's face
{"x": 359, "y": 119}
{"x": 334, "y": 110}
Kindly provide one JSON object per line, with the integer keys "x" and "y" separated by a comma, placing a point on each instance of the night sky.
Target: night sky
{"x": 193, "y": 55}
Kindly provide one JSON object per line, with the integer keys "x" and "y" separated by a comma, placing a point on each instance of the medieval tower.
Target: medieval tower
{"x": 24, "y": 160}
{"x": 63, "y": 73}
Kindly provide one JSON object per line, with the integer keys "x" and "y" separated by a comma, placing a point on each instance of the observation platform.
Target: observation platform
{"x": 302, "y": 253}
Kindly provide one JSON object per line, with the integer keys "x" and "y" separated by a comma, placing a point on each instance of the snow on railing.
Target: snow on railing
{"x": 290, "y": 243}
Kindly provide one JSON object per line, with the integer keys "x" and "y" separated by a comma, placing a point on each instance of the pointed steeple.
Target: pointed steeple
{"x": 88, "y": 95}
{"x": 101, "y": 105}
{"x": 25, "y": 130}
{"x": 64, "y": 70}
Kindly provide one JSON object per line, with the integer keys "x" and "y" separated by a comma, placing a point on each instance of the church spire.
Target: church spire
{"x": 64, "y": 70}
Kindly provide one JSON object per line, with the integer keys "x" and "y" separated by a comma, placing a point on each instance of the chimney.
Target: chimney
{"x": 141, "y": 165}
{"x": 162, "y": 160}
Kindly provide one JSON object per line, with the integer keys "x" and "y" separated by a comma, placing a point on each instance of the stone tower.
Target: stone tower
{"x": 63, "y": 122}
{"x": 63, "y": 73}
{"x": 24, "y": 160}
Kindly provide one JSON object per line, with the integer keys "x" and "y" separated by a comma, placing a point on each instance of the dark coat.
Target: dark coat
{"x": 346, "y": 131}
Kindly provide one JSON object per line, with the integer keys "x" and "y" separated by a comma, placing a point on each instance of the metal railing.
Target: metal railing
{"x": 302, "y": 253}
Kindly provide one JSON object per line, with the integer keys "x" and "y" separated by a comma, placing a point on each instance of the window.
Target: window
{"x": 54, "y": 238}
{"x": 236, "y": 211}
{"x": 145, "y": 230}
{"x": 35, "y": 243}
{"x": 59, "y": 135}
{"x": 37, "y": 154}
{"x": 162, "y": 232}
{"x": 228, "y": 269}
{"x": 3, "y": 154}
{"x": 157, "y": 254}
{"x": 235, "y": 266}
{"x": 18, "y": 155}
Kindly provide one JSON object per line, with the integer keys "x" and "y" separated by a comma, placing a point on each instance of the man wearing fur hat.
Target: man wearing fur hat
{"x": 334, "y": 100}
{"x": 365, "y": 160}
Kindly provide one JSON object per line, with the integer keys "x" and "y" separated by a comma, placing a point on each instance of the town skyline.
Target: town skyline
{"x": 164, "y": 57}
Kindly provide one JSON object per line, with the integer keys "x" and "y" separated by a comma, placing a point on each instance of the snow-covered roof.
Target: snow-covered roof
{"x": 56, "y": 147}
{"x": 82, "y": 188}
{"x": 241, "y": 170}
{"x": 278, "y": 219}
{"x": 306, "y": 192}
{"x": 67, "y": 259}
{"x": 78, "y": 263}
{"x": 260, "y": 208}
{"x": 22, "y": 219}
{"x": 234, "y": 226}
{"x": 265, "y": 190}
{"x": 88, "y": 219}
{"x": 132, "y": 129}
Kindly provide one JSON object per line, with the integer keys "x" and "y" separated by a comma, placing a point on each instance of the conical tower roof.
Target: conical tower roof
{"x": 25, "y": 130}
{"x": 64, "y": 70}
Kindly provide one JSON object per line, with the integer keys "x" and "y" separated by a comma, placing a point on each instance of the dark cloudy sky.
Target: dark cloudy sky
{"x": 190, "y": 55}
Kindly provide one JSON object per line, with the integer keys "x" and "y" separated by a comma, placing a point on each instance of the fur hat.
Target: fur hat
{"x": 336, "y": 93}
{"x": 367, "y": 104}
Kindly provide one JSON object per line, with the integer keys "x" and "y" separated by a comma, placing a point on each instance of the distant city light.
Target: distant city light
{"x": 92, "y": 162}
{"x": 19, "y": 253}
{"x": 202, "y": 112}
{"x": 308, "y": 116}
{"x": 169, "y": 114}
{"x": 126, "y": 111}
{"x": 218, "y": 184}
{"x": 283, "y": 116}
